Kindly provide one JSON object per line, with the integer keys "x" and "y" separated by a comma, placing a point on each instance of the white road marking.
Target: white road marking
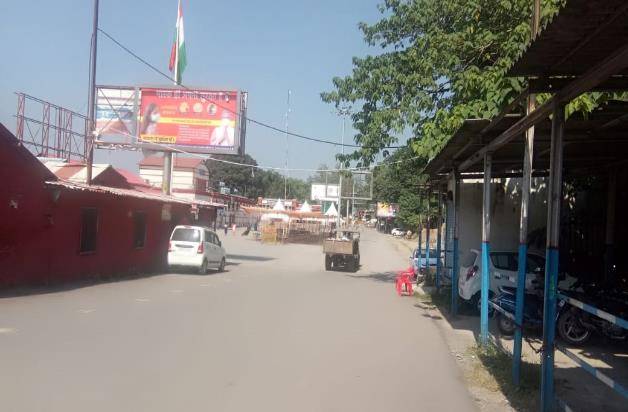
{"x": 7, "y": 330}
{"x": 205, "y": 284}
{"x": 176, "y": 291}
{"x": 86, "y": 310}
{"x": 142, "y": 300}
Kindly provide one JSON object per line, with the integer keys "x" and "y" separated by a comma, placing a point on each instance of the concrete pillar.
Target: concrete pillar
{"x": 554, "y": 199}
{"x": 526, "y": 183}
{"x": 486, "y": 235}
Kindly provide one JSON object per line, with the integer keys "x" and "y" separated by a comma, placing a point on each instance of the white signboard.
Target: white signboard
{"x": 322, "y": 192}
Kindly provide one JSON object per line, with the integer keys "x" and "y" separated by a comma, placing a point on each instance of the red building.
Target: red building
{"x": 54, "y": 229}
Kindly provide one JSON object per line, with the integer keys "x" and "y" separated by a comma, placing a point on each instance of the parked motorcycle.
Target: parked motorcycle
{"x": 532, "y": 310}
{"x": 576, "y": 326}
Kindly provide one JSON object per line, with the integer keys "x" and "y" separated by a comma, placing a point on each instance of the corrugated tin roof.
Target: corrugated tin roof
{"x": 599, "y": 138}
{"x": 74, "y": 172}
{"x": 129, "y": 193}
{"x": 581, "y": 34}
{"x": 179, "y": 162}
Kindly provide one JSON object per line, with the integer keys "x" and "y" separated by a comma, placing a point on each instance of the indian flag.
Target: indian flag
{"x": 178, "y": 60}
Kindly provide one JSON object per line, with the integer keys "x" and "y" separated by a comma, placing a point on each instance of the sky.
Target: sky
{"x": 264, "y": 48}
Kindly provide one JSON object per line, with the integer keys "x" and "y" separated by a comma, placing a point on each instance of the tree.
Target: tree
{"x": 441, "y": 61}
{"x": 396, "y": 181}
{"x": 252, "y": 182}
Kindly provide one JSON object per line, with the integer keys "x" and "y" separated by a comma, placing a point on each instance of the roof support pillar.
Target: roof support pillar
{"x": 486, "y": 235}
{"x": 439, "y": 228}
{"x": 427, "y": 234}
{"x": 554, "y": 199}
{"x": 526, "y": 182}
{"x": 455, "y": 269}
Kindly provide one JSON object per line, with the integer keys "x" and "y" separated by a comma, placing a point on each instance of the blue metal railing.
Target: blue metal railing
{"x": 595, "y": 311}
{"x": 611, "y": 383}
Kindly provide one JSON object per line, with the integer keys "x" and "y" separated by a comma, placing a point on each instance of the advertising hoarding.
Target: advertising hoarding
{"x": 116, "y": 113}
{"x": 387, "y": 209}
{"x": 201, "y": 121}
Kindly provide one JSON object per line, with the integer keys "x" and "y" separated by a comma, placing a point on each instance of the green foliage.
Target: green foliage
{"x": 397, "y": 181}
{"x": 441, "y": 61}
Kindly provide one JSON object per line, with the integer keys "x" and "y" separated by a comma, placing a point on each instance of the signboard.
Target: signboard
{"x": 200, "y": 121}
{"x": 323, "y": 192}
{"x": 116, "y": 109}
{"x": 387, "y": 209}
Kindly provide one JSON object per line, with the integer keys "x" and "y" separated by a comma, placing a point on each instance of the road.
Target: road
{"x": 274, "y": 332}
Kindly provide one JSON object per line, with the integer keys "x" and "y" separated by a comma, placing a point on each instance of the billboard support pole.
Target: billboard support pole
{"x": 166, "y": 181}
{"x": 91, "y": 99}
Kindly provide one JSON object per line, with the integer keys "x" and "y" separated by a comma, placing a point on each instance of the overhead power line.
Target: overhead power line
{"x": 261, "y": 167}
{"x": 251, "y": 120}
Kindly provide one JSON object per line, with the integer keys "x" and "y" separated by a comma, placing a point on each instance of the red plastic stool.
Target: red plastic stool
{"x": 403, "y": 282}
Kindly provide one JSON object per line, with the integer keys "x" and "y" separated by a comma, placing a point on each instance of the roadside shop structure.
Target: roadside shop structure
{"x": 55, "y": 228}
{"x": 580, "y": 162}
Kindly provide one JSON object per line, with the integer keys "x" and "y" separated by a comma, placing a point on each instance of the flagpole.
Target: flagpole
{"x": 91, "y": 99}
{"x": 166, "y": 172}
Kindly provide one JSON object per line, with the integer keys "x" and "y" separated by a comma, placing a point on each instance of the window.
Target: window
{"x": 89, "y": 230}
{"x": 212, "y": 238}
{"x": 139, "y": 229}
{"x": 186, "y": 235}
{"x": 504, "y": 261}
{"x": 469, "y": 259}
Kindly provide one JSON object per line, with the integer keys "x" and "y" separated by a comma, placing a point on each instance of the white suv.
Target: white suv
{"x": 196, "y": 246}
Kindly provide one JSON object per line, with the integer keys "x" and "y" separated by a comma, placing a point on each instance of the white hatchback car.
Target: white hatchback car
{"x": 196, "y": 246}
{"x": 397, "y": 232}
{"x": 503, "y": 270}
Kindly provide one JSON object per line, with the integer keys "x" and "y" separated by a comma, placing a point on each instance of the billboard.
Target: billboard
{"x": 387, "y": 209}
{"x": 323, "y": 192}
{"x": 116, "y": 113}
{"x": 159, "y": 118}
{"x": 194, "y": 120}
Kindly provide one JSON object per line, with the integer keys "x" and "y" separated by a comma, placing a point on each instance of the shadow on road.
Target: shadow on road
{"x": 66, "y": 286}
{"x": 388, "y": 277}
{"x": 250, "y": 257}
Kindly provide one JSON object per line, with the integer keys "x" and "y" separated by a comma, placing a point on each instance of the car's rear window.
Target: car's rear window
{"x": 469, "y": 259}
{"x": 186, "y": 235}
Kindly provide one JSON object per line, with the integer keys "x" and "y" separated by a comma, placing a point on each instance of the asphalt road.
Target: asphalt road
{"x": 275, "y": 332}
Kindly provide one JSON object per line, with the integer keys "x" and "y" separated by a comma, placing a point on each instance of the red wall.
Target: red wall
{"x": 40, "y": 236}
{"x": 45, "y": 242}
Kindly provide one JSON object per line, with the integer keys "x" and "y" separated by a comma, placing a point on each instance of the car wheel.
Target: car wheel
{"x": 506, "y": 325}
{"x": 327, "y": 262}
{"x": 221, "y": 268}
{"x": 571, "y": 330}
{"x": 203, "y": 269}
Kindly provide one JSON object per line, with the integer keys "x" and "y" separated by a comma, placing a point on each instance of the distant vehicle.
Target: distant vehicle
{"x": 503, "y": 269}
{"x": 196, "y": 247}
{"x": 421, "y": 263}
{"x": 397, "y": 232}
{"x": 343, "y": 252}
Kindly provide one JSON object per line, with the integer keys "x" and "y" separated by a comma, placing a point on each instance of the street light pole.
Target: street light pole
{"x": 285, "y": 176}
{"x": 342, "y": 142}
